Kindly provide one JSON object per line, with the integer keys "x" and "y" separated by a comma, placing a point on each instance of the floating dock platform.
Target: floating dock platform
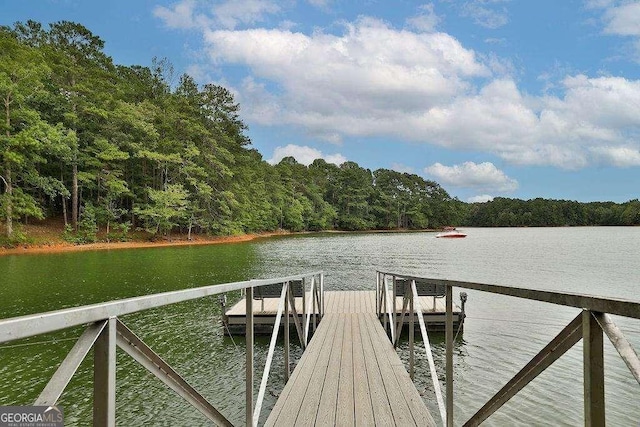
{"x": 339, "y": 302}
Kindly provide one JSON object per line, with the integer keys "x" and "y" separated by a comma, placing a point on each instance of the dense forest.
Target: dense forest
{"x": 503, "y": 212}
{"x": 119, "y": 148}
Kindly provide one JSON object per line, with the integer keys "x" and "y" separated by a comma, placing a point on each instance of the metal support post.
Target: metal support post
{"x": 593, "y": 371}
{"x": 322, "y": 294}
{"x": 104, "y": 376}
{"x": 411, "y": 337}
{"x": 287, "y": 319}
{"x": 449, "y": 355}
{"x": 393, "y": 306}
{"x": 249, "y": 357}
{"x": 378, "y": 293}
{"x": 384, "y": 303}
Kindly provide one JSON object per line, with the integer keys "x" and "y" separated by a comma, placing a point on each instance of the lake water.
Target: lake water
{"x": 501, "y": 333}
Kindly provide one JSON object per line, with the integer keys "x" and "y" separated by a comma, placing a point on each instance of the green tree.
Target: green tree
{"x": 83, "y": 82}
{"x": 165, "y": 209}
{"x": 25, "y": 138}
{"x": 355, "y": 186}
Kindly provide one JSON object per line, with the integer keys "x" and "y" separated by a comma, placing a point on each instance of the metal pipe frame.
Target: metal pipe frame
{"x": 69, "y": 365}
{"x": 384, "y": 303}
{"x": 106, "y": 332}
{"x": 593, "y": 357}
{"x": 619, "y": 341}
{"x": 588, "y": 326}
{"x": 309, "y": 311}
{"x": 144, "y": 355}
{"x": 249, "y": 357}
{"x": 427, "y": 346}
{"x": 296, "y": 321}
{"x": 36, "y": 324}
{"x": 389, "y": 307}
{"x": 104, "y": 376}
{"x": 411, "y": 338}
{"x": 400, "y": 322}
{"x": 565, "y": 340}
{"x": 449, "y": 356}
{"x": 614, "y": 306}
{"x": 378, "y": 293}
{"x": 286, "y": 336}
{"x": 272, "y": 348}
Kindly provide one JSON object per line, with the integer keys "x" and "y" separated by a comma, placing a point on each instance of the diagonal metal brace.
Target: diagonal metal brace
{"x": 59, "y": 381}
{"x": 272, "y": 347}
{"x": 296, "y": 321}
{"x": 405, "y": 302}
{"x": 566, "y": 339}
{"x": 143, "y": 354}
{"x": 626, "y": 351}
{"x": 427, "y": 347}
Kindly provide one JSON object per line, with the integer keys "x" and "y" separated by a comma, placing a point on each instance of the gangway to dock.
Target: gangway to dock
{"x": 350, "y": 374}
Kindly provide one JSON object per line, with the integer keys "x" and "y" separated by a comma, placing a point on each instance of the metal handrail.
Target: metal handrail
{"x": 35, "y": 324}
{"x": 616, "y": 306}
{"x": 105, "y": 331}
{"x": 588, "y": 326}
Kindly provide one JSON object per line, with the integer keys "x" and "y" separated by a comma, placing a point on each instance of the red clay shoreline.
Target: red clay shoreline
{"x": 60, "y": 246}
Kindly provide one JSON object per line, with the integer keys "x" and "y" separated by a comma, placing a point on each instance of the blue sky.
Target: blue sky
{"x": 488, "y": 97}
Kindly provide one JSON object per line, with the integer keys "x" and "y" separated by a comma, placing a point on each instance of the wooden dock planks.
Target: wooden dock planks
{"x": 302, "y": 374}
{"x": 350, "y": 375}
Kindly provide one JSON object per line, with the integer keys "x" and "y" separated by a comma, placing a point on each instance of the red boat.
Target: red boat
{"x": 451, "y": 233}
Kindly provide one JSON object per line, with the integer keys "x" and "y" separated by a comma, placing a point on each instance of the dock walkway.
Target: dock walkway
{"x": 350, "y": 374}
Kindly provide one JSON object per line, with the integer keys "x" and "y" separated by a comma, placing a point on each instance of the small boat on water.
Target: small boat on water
{"x": 451, "y": 233}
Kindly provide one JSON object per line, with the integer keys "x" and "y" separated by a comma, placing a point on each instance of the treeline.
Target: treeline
{"x": 115, "y": 148}
{"x": 504, "y": 212}
{"x": 130, "y": 147}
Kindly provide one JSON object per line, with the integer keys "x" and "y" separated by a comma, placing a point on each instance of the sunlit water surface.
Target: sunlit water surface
{"x": 501, "y": 333}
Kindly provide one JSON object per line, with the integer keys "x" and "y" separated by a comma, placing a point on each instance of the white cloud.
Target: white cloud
{"x": 540, "y": 130}
{"x": 186, "y": 14}
{"x": 287, "y": 25}
{"x": 331, "y": 88}
{"x": 320, "y": 3}
{"x": 199, "y": 73}
{"x": 623, "y": 20}
{"x": 359, "y": 83}
{"x": 483, "y": 198}
{"x": 181, "y": 15}
{"x": 495, "y": 40}
{"x": 479, "y": 176}
{"x": 619, "y": 156}
{"x": 486, "y": 13}
{"x": 426, "y": 20}
{"x": 305, "y": 155}
{"x": 234, "y": 12}
{"x": 375, "y": 80}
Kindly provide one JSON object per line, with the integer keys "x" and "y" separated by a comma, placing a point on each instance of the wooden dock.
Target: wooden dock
{"x": 340, "y": 302}
{"x": 350, "y": 374}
